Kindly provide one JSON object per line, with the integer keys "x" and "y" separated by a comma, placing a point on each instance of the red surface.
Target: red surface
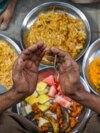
{"x": 45, "y": 74}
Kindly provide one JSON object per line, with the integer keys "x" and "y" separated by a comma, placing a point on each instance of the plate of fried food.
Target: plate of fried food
{"x": 9, "y": 51}
{"x": 57, "y": 24}
{"x": 50, "y": 110}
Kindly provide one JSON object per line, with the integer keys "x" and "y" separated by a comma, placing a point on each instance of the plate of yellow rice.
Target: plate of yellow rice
{"x": 9, "y": 51}
{"x": 59, "y": 25}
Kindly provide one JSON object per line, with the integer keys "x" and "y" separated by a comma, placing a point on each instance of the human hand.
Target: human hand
{"x": 6, "y": 16}
{"x": 25, "y": 71}
{"x": 68, "y": 69}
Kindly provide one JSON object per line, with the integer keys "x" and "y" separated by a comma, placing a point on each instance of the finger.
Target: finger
{"x": 41, "y": 55}
{"x": 40, "y": 50}
{"x": 58, "y": 67}
{"x": 4, "y": 25}
{"x": 28, "y": 53}
{"x": 51, "y": 52}
{"x": 60, "y": 54}
{"x": 33, "y": 48}
{"x": 76, "y": 66}
{"x": 57, "y": 51}
{"x": 38, "y": 58}
{"x": 38, "y": 55}
{"x": 50, "y": 58}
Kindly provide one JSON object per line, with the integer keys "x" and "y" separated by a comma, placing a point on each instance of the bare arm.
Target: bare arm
{"x": 8, "y": 99}
{"x": 69, "y": 74}
{"x": 89, "y": 100}
{"x": 25, "y": 76}
{"x": 12, "y": 3}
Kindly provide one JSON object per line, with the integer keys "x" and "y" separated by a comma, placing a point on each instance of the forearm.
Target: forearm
{"x": 8, "y": 99}
{"x": 87, "y": 99}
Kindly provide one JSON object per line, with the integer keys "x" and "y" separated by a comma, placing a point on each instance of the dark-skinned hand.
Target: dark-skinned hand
{"x": 25, "y": 71}
{"x": 68, "y": 70}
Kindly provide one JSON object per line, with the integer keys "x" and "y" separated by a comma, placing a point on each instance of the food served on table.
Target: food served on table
{"x": 7, "y": 58}
{"x": 60, "y": 30}
{"x": 94, "y": 73}
{"x": 50, "y": 109}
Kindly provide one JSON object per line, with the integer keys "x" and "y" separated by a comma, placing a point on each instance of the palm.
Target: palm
{"x": 69, "y": 77}
{"x": 25, "y": 73}
{"x": 68, "y": 70}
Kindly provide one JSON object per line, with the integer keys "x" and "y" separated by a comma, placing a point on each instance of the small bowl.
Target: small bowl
{"x": 92, "y": 53}
{"x": 85, "y": 114}
{"x": 58, "y": 6}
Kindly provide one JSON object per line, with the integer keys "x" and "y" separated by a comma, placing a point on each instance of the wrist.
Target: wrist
{"x": 16, "y": 96}
{"x": 80, "y": 93}
{"x": 9, "y": 99}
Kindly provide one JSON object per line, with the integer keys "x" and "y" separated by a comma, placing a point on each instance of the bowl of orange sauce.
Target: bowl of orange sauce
{"x": 91, "y": 67}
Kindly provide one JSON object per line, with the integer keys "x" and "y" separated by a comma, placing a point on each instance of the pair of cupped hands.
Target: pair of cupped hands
{"x": 26, "y": 67}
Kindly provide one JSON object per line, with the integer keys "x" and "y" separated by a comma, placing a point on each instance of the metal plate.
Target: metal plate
{"x": 85, "y": 113}
{"x": 11, "y": 43}
{"x": 91, "y": 54}
{"x": 15, "y": 47}
{"x": 58, "y": 6}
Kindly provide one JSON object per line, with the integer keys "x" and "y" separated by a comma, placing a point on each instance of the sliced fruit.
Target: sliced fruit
{"x": 59, "y": 90}
{"x": 67, "y": 98}
{"x": 42, "y": 121}
{"x": 49, "y": 102}
{"x": 31, "y": 100}
{"x": 28, "y": 108}
{"x": 52, "y": 91}
{"x": 56, "y": 78}
{"x": 41, "y": 88}
{"x": 43, "y": 98}
{"x": 43, "y": 107}
{"x": 35, "y": 94}
{"x": 49, "y": 80}
{"x": 62, "y": 101}
{"x": 54, "y": 123}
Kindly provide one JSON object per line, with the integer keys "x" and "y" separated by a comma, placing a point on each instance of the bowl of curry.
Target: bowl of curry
{"x": 91, "y": 67}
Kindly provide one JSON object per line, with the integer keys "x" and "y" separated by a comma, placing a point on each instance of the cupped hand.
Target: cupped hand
{"x": 68, "y": 69}
{"x": 25, "y": 71}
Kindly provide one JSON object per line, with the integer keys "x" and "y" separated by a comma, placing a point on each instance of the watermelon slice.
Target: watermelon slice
{"x": 56, "y": 78}
{"x": 67, "y": 98}
{"x": 49, "y": 80}
{"x": 62, "y": 101}
{"x": 59, "y": 90}
{"x": 52, "y": 91}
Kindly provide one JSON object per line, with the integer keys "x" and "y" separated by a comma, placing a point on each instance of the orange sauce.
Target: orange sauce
{"x": 94, "y": 73}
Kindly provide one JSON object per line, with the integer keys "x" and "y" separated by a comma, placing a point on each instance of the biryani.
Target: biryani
{"x": 58, "y": 29}
{"x": 7, "y": 58}
{"x": 94, "y": 73}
